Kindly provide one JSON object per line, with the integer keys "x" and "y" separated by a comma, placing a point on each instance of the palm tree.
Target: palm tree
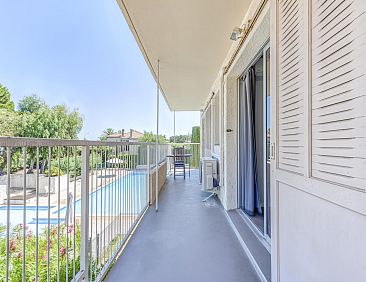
{"x": 106, "y": 132}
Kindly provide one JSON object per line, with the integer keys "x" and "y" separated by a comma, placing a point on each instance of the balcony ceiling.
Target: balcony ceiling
{"x": 191, "y": 40}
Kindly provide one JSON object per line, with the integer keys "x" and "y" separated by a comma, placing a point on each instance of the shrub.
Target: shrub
{"x": 16, "y": 255}
{"x": 54, "y": 171}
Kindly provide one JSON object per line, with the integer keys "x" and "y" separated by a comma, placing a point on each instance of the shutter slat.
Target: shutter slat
{"x": 351, "y": 182}
{"x": 345, "y": 170}
{"x": 291, "y": 86}
{"x": 339, "y": 92}
{"x": 337, "y": 152}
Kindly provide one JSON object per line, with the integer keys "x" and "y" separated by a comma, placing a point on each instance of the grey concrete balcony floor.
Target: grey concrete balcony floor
{"x": 187, "y": 240}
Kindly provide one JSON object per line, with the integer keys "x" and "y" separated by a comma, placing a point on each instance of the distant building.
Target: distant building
{"x": 131, "y": 136}
{"x": 128, "y": 136}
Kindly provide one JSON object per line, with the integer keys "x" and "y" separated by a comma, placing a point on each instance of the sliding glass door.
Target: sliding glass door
{"x": 254, "y": 140}
{"x": 267, "y": 134}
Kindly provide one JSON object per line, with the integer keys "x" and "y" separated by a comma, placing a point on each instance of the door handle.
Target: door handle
{"x": 272, "y": 151}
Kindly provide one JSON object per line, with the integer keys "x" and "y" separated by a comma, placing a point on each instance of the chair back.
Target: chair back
{"x": 178, "y": 154}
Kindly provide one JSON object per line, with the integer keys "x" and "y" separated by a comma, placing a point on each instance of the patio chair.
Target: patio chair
{"x": 179, "y": 161}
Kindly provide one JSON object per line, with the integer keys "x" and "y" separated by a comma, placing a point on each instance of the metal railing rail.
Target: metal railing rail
{"x": 39, "y": 142}
{"x": 70, "y": 205}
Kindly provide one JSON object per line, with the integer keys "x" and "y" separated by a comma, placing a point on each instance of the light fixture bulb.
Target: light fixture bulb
{"x": 236, "y": 33}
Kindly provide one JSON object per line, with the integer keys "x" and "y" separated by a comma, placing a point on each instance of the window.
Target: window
{"x": 206, "y": 122}
{"x": 216, "y": 123}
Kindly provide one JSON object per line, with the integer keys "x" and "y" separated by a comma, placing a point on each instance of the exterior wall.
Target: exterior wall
{"x": 228, "y": 194}
{"x": 258, "y": 38}
{"x": 113, "y": 139}
{"x": 318, "y": 226}
{"x": 227, "y": 87}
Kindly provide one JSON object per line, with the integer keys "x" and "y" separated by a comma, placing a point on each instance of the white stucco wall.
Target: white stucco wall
{"x": 227, "y": 86}
{"x": 258, "y": 38}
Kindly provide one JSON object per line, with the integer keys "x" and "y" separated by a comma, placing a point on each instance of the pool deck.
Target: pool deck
{"x": 100, "y": 178}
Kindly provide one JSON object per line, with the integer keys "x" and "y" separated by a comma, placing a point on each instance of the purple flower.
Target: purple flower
{"x": 53, "y": 231}
{"x": 12, "y": 245}
{"x": 70, "y": 229}
{"x": 62, "y": 251}
{"x": 29, "y": 233}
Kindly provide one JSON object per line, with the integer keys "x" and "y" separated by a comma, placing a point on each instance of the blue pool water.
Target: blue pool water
{"x": 29, "y": 208}
{"x": 16, "y": 214}
{"x": 126, "y": 192}
{"x": 129, "y": 190}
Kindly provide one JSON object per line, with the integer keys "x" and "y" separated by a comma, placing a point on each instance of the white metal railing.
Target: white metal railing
{"x": 68, "y": 206}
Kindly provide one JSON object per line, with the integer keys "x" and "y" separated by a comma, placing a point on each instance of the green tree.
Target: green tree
{"x": 37, "y": 120}
{"x": 69, "y": 122}
{"x": 180, "y": 138}
{"x": 31, "y": 104}
{"x": 5, "y": 101}
{"x": 106, "y": 132}
{"x": 195, "y": 134}
{"x": 8, "y": 120}
{"x": 150, "y": 137}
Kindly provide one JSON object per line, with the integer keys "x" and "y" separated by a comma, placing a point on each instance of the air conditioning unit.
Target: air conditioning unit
{"x": 208, "y": 173}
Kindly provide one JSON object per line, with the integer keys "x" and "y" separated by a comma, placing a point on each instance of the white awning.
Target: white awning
{"x": 191, "y": 38}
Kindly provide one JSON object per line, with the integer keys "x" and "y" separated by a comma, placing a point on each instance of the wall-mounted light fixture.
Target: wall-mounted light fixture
{"x": 237, "y": 33}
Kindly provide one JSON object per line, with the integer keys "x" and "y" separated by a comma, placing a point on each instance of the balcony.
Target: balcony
{"x": 84, "y": 210}
{"x": 186, "y": 240}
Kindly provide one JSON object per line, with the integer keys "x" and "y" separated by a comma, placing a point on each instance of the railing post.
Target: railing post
{"x": 148, "y": 174}
{"x": 84, "y": 228}
{"x": 157, "y": 177}
{"x": 8, "y": 175}
{"x": 97, "y": 249}
{"x": 157, "y": 142}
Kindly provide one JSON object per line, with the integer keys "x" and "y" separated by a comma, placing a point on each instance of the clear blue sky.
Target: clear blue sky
{"x": 82, "y": 53}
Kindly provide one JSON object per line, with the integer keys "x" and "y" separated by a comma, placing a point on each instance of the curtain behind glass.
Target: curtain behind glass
{"x": 248, "y": 174}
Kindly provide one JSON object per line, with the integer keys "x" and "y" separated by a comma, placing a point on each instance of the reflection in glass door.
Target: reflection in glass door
{"x": 267, "y": 127}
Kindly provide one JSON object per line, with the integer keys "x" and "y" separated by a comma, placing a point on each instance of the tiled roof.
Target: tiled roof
{"x": 135, "y": 135}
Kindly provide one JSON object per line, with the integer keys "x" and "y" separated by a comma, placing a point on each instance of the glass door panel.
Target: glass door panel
{"x": 268, "y": 140}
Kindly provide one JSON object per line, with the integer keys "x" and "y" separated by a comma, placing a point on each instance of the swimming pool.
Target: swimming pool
{"x": 129, "y": 190}
{"x": 16, "y": 214}
{"x": 112, "y": 199}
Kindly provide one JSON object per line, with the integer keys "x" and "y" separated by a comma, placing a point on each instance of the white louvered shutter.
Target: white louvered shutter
{"x": 292, "y": 67}
{"x": 338, "y": 92}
